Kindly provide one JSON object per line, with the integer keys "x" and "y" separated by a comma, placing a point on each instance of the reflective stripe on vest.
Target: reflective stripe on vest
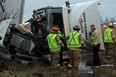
{"x": 74, "y": 40}
{"x": 92, "y": 39}
{"x": 52, "y": 43}
{"x": 108, "y": 36}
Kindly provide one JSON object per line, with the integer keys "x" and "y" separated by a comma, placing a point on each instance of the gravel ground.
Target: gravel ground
{"x": 42, "y": 69}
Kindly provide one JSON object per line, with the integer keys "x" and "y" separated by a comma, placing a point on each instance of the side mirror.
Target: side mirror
{"x": 0, "y": 38}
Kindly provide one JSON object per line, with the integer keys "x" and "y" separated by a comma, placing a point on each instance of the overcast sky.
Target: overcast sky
{"x": 107, "y": 7}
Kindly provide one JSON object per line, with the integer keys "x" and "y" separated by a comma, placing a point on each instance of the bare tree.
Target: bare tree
{"x": 112, "y": 20}
{"x": 7, "y": 15}
{"x": 3, "y": 1}
{"x": 106, "y": 21}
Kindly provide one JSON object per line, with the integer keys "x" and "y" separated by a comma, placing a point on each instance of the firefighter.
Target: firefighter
{"x": 109, "y": 41}
{"x": 61, "y": 35}
{"x": 115, "y": 38}
{"x": 75, "y": 42}
{"x": 95, "y": 40}
{"x": 54, "y": 43}
{"x": 115, "y": 43}
{"x": 114, "y": 58}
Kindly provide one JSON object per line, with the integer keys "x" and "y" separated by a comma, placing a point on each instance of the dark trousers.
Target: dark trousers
{"x": 109, "y": 49}
{"x": 96, "y": 59}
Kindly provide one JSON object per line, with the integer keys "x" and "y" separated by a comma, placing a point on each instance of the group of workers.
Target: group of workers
{"x": 109, "y": 39}
{"x": 75, "y": 43}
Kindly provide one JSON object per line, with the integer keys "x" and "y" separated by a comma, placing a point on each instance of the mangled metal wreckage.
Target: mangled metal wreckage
{"x": 31, "y": 46}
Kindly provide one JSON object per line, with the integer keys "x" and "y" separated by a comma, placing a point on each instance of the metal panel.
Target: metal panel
{"x": 87, "y": 13}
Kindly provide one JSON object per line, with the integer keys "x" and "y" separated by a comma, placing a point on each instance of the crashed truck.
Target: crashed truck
{"x": 31, "y": 47}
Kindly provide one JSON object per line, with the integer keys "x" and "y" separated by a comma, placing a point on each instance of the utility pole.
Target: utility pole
{"x": 107, "y": 20}
{"x": 21, "y": 11}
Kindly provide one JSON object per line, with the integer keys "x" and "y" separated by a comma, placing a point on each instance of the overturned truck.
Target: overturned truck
{"x": 32, "y": 46}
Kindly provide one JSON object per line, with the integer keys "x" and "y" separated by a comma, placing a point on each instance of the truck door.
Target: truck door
{"x": 55, "y": 18}
{"x": 66, "y": 20}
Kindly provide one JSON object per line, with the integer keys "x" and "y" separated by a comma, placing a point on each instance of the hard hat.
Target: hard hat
{"x": 76, "y": 27}
{"x": 54, "y": 29}
{"x": 110, "y": 24}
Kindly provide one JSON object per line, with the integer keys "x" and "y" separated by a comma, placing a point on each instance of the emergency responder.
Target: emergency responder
{"x": 115, "y": 43}
{"x": 75, "y": 42}
{"x": 95, "y": 40}
{"x": 109, "y": 41}
{"x": 114, "y": 29}
{"x": 61, "y": 35}
{"x": 54, "y": 43}
{"x": 114, "y": 58}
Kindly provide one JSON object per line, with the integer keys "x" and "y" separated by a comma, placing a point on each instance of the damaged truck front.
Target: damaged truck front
{"x": 31, "y": 46}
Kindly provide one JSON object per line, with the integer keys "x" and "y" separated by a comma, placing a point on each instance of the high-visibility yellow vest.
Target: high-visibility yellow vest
{"x": 74, "y": 40}
{"x": 108, "y": 36}
{"x": 95, "y": 39}
{"x": 60, "y": 34}
{"x": 52, "y": 43}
